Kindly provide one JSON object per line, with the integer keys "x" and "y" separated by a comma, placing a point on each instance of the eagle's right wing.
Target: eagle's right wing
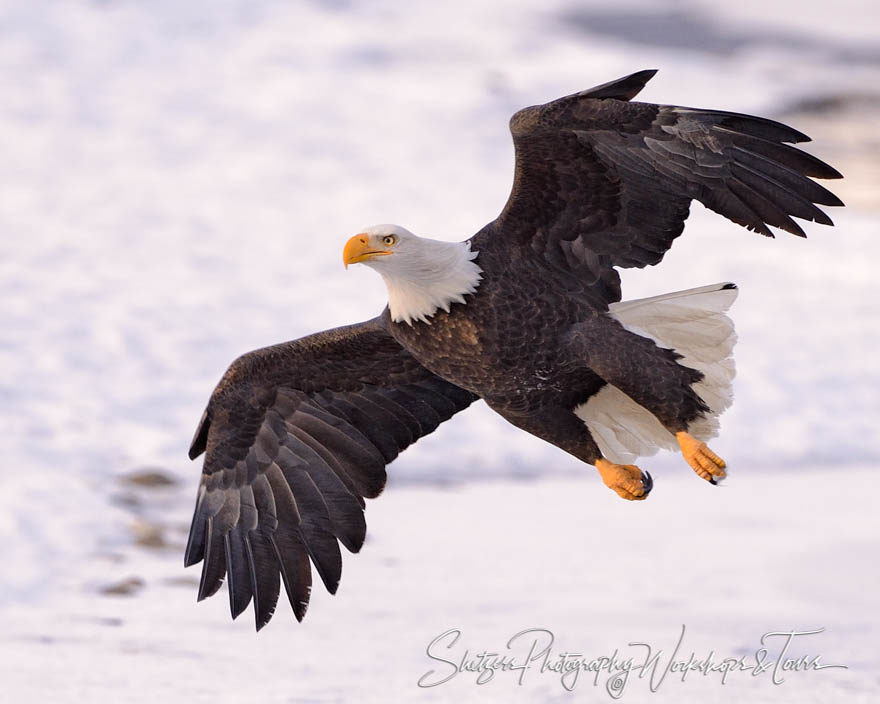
{"x": 602, "y": 182}
{"x": 296, "y": 436}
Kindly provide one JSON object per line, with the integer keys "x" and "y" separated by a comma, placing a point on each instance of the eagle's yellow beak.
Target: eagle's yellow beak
{"x": 359, "y": 248}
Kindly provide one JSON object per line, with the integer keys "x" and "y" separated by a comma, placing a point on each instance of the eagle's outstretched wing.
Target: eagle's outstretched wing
{"x": 296, "y": 435}
{"x": 602, "y": 182}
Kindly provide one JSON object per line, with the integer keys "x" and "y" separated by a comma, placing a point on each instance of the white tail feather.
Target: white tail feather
{"x": 694, "y": 324}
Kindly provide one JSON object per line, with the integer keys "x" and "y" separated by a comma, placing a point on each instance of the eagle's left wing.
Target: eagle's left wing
{"x": 296, "y": 436}
{"x": 600, "y": 181}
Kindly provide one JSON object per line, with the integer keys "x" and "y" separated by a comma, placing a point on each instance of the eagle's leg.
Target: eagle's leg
{"x": 697, "y": 454}
{"x": 652, "y": 377}
{"x": 559, "y": 426}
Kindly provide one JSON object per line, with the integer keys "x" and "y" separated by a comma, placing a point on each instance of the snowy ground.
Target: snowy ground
{"x": 178, "y": 181}
{"x": 771, "y": 552}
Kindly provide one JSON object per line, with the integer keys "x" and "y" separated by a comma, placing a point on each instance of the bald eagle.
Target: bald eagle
{"x": 526, "y": 315}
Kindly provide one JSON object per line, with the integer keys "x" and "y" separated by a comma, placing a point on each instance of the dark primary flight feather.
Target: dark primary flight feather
{"x": 601, "y": 182}
{"x": 296, "y": 436}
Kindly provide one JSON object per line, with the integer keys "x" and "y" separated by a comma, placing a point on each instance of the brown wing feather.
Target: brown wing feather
{"x": 601, "y": 182}
{"x": 296, "y": 436}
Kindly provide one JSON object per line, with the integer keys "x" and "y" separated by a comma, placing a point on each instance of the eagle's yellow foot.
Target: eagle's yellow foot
{"x": 705, "y": 463}
{"x": 627, "y": 480}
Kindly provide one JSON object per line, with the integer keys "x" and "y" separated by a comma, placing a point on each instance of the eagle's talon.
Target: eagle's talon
{"x": 704, "y": 462}
{"x": 626, "y": 480}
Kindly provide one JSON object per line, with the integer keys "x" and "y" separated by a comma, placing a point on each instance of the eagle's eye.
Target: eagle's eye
{"x": 389, "y": 240}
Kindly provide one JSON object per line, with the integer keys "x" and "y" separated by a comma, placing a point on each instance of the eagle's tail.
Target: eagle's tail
{"x": 693, "y": 323}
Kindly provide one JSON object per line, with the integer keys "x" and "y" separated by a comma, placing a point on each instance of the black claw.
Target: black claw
{"x": 647, "y": 482}
{"x": 712, "y": 481}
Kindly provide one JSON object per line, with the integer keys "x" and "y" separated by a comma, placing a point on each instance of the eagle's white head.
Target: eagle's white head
{"x": 422, "y": 275}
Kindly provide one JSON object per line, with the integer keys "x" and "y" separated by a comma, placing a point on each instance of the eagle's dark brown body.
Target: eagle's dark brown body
{"x": 506, "y": 344}
{"x": 298, "y": 435}
{"x": 524, "y": 347}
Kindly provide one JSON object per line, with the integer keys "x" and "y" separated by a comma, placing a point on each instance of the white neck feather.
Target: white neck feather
{"x": 427, "y": 276}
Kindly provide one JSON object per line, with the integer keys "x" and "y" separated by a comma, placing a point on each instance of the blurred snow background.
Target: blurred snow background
{"x": 178, "y": 181}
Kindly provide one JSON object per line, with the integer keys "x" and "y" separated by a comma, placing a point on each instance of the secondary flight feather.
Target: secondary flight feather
{"x": 526, "y": 314}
